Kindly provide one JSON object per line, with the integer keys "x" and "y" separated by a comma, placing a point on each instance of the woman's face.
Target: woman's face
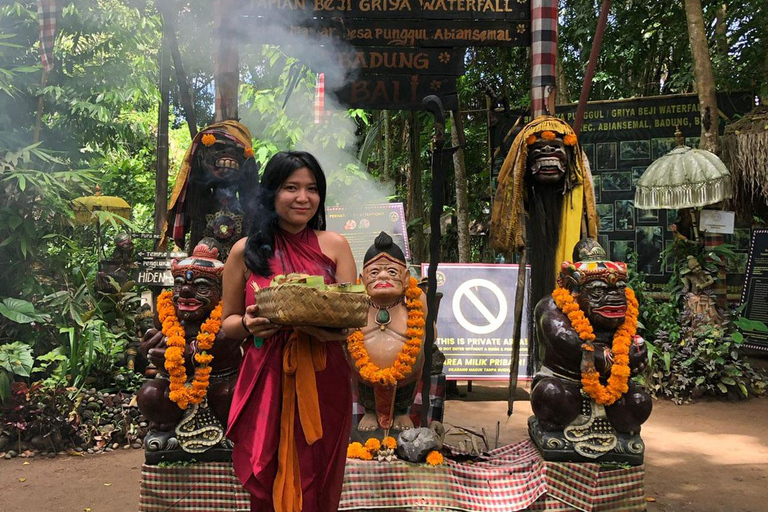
{"x": 297, "y": 200}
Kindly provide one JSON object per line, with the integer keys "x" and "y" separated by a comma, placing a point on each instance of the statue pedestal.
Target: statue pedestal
{"x": 510, "y": 478}
{"x": 435, "y": 413}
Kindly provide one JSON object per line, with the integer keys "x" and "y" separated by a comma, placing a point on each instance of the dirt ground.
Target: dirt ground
{"x": 704, "y": 457}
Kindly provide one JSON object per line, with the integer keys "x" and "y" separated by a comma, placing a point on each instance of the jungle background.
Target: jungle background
{"x": 62, "y": 345}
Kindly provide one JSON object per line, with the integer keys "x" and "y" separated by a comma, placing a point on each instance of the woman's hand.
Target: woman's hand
{"x": 326, "y": 333}
{"x": 258, "y": 326}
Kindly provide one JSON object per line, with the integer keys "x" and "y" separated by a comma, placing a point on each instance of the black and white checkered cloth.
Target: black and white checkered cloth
{"x": 543, "y": 53}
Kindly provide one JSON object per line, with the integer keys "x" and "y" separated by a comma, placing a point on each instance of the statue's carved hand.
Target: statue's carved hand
{"x": 153, "y": 347}
{"x": 638, "y": 354}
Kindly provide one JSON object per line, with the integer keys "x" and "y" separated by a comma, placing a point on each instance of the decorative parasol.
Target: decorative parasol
{"x": 86, "y": 209}
{"x": 683, "y": 178}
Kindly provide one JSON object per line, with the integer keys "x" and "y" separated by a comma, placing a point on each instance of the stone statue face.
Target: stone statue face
{"x": 547, "y": 160}
{"x": 603, "y": 303}
{"x": 195, "y": 294}
{"x": 385, "y": 280}
{"x": 220, "y": 162}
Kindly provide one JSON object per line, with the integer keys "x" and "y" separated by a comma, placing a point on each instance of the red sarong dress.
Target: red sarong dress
{"x": 255, "y": 415}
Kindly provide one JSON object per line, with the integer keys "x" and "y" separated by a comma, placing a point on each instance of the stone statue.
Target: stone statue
{"x": 118, "y": 267}
{"x": 585, "y": 405}
{"x": 182, "y": 429}
{"x": 700, "y": 301}
{"x": 392, "y": 342}
{"x": 215, "y": 189}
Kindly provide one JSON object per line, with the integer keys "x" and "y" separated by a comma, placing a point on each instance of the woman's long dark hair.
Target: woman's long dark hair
{"x": 261, "y": 237}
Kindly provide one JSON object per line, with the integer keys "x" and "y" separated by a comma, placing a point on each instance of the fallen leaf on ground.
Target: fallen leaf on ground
{"x": 25, "y": 463}
{"x": 75, "y": 453}
{"x": 22, "y": 479}
{"x": 107, "y": 484}
{"x": 649, "y": 499}
{"x": 87, "y": 509}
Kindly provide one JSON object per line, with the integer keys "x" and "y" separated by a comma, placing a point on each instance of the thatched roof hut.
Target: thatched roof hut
{"x": 745, "y": 153}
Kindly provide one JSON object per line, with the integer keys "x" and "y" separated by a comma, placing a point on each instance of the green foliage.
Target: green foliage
{"x": 21, "y": 311}
{"x": 688, "y": 358}
{"x": 15, "y": 360}
{"x": 702, "y": 361}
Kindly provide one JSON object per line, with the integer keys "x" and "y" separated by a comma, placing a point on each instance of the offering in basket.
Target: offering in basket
{"x": 301, "y": 299}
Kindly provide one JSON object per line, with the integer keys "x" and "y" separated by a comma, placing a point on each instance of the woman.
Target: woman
{"x": 286, "y": 460}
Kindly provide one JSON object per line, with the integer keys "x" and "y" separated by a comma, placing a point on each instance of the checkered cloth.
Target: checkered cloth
{"x": 319, "y": 98}
{"x": 507, "y": 479}
{"x": 436, "y": 402}
{"x": 47, "y": 20}
{"x": 543, "y": 53}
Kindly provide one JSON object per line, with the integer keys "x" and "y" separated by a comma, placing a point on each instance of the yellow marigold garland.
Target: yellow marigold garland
{"x": 618, "y": 382}
{"x": 389, "y": 442}
{"x": 176, "y": 341}
{"x": 405, "y": 360}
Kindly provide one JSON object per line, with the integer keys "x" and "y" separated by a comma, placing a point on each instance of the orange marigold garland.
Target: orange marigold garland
{"x": 389, "y": 442}
{"x": 618, "y": 382}
{"x": 208, "y": 139}
{"x": 176, "y": 341}
{"x": 435, "y": 458}
{"x": 405, "y": 360}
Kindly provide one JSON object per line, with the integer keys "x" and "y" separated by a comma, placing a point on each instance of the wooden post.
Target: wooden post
{"x": 161, "y": 178}
{"x": 226, "y": 62}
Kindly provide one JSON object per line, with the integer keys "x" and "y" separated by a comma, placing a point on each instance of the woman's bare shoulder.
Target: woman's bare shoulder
{"x": 237, "y": 253}
{"x": 332, "y": 238}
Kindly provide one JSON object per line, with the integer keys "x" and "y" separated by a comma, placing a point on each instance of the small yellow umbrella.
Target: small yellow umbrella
{"x": 86, "y": 207}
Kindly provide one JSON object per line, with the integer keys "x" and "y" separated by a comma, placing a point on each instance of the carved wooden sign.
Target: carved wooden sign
{"x": 436, "y": 33}
{"x": 424, "y": 61}
{"x": 389, "y": 9}
{"x": 403, "y": 92}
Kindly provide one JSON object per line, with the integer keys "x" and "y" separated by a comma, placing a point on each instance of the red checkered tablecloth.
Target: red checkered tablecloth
{"x": 510, "y": 478}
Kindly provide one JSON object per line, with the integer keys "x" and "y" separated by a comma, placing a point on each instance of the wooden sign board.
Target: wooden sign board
{"x": 393, "y": 9}
{"x": 438, "y": 33}
{"x": 402, "y": 92}
{"x": 754, "y": 296}
{"x": 424, "y": 61}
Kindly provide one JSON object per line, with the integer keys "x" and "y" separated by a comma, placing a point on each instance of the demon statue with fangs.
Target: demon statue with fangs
{"x": 544, "y": 203}
{"x": 215, "y": 190}
{"x": 586, "y": 406}
{"x": 187, "y": 403}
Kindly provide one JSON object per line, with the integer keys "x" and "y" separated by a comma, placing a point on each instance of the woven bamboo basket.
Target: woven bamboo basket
{"x": 302, "y": 305}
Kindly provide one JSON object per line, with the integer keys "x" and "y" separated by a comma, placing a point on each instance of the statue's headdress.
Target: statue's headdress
{"x": 590, "y": 264}
{"x": 204, "y": 260}
{"x": 384, "y": 245}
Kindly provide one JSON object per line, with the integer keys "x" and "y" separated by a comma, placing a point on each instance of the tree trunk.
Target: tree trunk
{"x": 721, "y": 33}
{"x": 562, "y": 85}
{"x": 226, "y": 62}
{"x": 460, "y": 179}
{"x": 705, "y": 81}
{"x": 415, "y": 206}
